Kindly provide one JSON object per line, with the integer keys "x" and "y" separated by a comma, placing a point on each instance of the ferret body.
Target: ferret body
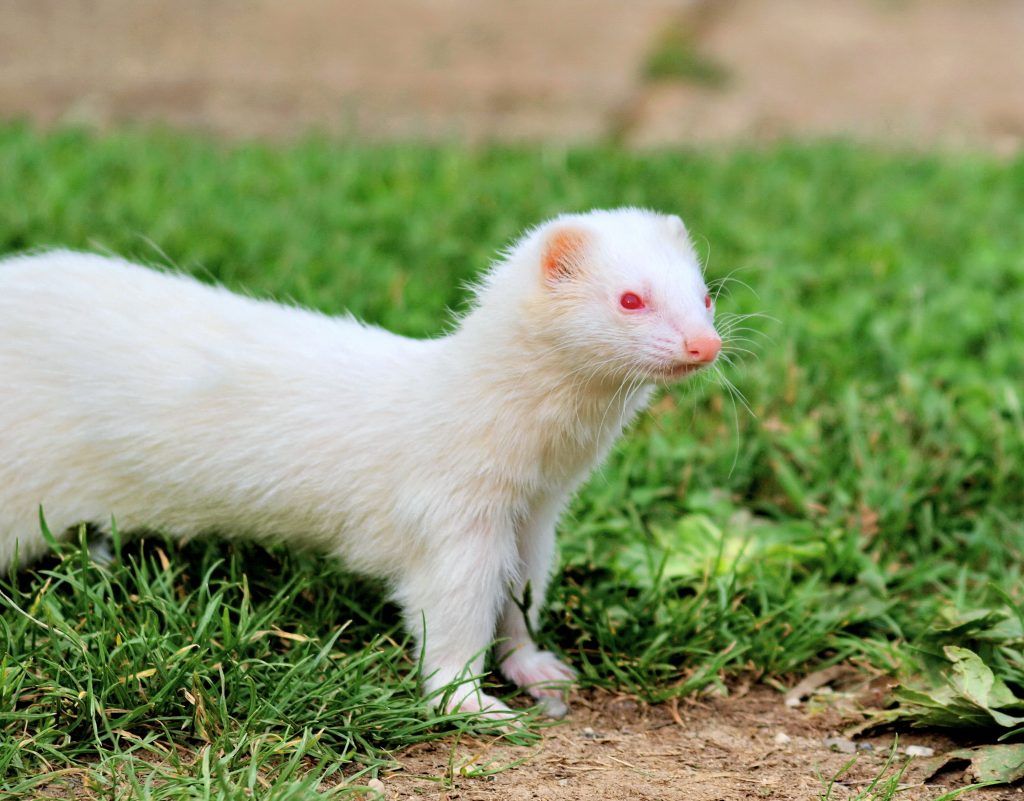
{"x": 440, "y": 465}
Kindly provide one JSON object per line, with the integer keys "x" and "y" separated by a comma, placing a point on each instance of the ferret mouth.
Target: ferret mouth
{"x": 673, "y": 372}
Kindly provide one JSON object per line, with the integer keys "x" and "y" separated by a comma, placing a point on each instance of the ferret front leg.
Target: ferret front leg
{"x": 540, "y": 673}
{"x": 451, "y": 603}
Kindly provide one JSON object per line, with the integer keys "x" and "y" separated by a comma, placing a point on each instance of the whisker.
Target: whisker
{"x": 731, "y": 349}
{"x": 729, "y": 278}
{"x": 735, "y": 391}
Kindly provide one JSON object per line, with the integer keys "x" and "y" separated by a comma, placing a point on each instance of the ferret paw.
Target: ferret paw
{"x": 487, "y": 707}
{"x": 100, "y": 552}
{"x": 542, "y": 674}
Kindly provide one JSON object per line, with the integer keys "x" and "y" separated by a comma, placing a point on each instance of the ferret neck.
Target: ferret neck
{"x": 503, "y": 357}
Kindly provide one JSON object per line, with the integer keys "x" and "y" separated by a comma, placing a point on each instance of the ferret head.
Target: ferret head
{"x": 620, "y": 293}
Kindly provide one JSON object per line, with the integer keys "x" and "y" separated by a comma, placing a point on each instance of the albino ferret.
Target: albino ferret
{"x": 440, "y": 465}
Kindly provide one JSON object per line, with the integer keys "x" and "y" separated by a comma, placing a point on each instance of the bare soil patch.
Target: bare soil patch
{"x": 405, "y": 68}
{"x": 948, "y": 72}
{"x": 749, "y": 745}
{"x": 922, "y": 71}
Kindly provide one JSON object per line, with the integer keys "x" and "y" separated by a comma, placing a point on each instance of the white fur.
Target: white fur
{"x": 441, "y": 465}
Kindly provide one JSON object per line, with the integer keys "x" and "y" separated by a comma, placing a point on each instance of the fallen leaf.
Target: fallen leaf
{"x": 1002, "y": 764}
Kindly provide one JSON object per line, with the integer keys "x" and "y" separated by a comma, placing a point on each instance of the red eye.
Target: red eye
{"x": 631, "y": 301}
{"x": 707, "y": 301}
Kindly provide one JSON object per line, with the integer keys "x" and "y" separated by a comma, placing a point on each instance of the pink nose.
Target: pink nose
{"x": 703, "y": 349}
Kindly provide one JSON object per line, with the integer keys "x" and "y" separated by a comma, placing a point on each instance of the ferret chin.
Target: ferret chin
{"x": 441, "y": 465}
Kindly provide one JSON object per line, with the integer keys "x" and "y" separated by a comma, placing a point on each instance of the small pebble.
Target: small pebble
{"x": 377, "y": 786}
{"x": 865, "y": 747}
{"x": 782, "y": 738}
{"x": 841, "y": 744}
{"x": 920, "y": 751}
{"x": 589, "y": 733}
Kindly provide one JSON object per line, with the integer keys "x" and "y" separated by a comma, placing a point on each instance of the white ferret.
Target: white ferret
{"x": 441, "y": 465}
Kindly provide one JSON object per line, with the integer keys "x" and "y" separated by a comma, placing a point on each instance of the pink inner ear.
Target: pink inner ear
{"x": 563, "y": 253}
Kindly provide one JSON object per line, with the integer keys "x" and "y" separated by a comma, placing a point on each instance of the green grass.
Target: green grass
{"x": 869, "y": 507}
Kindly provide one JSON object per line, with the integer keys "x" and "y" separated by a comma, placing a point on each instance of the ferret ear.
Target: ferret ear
{"x": 677, "y": 226}
{"x": 563, "y": 254}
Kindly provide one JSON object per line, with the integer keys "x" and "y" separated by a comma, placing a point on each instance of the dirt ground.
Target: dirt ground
{"x": 948, "y": 72}
{"x": 404, "y": 68}
{"x": 927, "y": 71}
{"x": 749, "y": 745}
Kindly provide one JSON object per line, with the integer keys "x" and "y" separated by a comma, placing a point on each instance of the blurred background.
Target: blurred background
{"x": 848, "y": 493}
{"x": 644, "y": 72}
